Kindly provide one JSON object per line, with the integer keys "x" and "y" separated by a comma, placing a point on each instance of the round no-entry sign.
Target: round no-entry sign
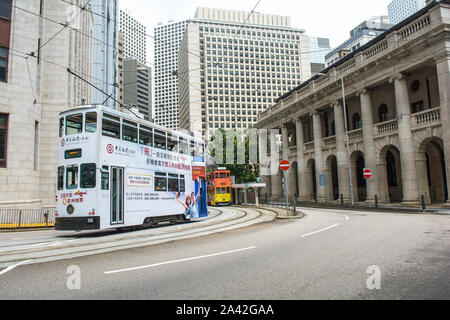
{"x": 285, "y": 165}
{"x": 367, "y": 173}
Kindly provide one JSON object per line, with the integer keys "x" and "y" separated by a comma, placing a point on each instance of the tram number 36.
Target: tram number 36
{"x": 246, "y": 310}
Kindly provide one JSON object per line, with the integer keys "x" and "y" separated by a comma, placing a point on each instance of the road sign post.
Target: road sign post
{"x": 285, "y": 166}
{"x": 323, "y": 183}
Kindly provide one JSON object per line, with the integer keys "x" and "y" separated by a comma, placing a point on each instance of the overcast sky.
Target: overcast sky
{"x": 331, "y": 19}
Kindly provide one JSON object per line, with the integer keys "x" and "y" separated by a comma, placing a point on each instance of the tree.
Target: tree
{"x": 244, "y": 173}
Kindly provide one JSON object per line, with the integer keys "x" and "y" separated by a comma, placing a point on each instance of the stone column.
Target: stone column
{"x": 275, "y": 178}
{"x": 370, "y": 154}
{"x": 341, "y": 150}
{"x": 301, "y": 165}
{"x": 264, "y": 161}
{"x": 407, "y": 156}
{"x": 318, "y": 157}
{"x": 285, "y": 146}
{"x": 443, "y": 72}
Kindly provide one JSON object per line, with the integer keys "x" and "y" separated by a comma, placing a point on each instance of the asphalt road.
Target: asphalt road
{"x": 326, "y": 255}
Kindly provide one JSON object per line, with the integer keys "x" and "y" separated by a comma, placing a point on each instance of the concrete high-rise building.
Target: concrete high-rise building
{"x": 318, "y": 49}
{"x": 359, "y": 36}
{"x": 134, "y": 37}
{"x": 121, "y": 65}
{"x": 401, "y": 9}
{"x": 34, "y": 89}
{"x": 105, "y": 75}
{"x": 233, "y": 65}
{"x": 167, "y": 44}
{"x": 137, "y": 87}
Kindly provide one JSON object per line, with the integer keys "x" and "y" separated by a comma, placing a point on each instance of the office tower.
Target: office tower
{"x": 105, "y": 75}
{"x": 34, "y": 88}
{"x": 137, "y": 87}
{"x": 399, "y": 10}
{"x": 233, "y": 65}
{"x": 359, "y": 36}
{"x": 318, "y": 49}
{"x": 134, "y": 37}
{"x": 167, "y": 43}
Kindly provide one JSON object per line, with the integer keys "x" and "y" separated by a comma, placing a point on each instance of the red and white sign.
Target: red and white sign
{"x": 367, "y": 173}
{"x": 285, "y": 165}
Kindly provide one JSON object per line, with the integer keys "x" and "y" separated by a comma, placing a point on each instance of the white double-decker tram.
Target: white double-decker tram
{"x": 118, "y": 171}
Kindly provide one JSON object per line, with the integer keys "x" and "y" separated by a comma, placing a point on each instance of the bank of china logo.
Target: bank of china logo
{"x": 110, "y": 148}
{"x": 63, "y": 142}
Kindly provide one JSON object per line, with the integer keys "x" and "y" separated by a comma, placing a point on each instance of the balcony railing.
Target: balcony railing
{"x": 309, "y": 146}
{"x": 386, "y": 127}
{"x": 355, "y": 134}
{"x": 328, "y": 141}
{"x": 426, "y": 117}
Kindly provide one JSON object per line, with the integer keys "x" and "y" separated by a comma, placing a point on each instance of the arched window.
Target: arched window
{"x": 383, "y": 113}
{"x": 356, "y": 121}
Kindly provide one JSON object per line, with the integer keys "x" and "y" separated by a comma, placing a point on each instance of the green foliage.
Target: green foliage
{"x": 243, "y": 172}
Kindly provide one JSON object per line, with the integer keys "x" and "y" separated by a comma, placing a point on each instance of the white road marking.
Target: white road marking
{"x": 181, "y": 260}
{"x": 40, "y": 244}
{"x": 321, "y": 230}
{"x": 13, "y": 266}
{"x": 346, "y": 217}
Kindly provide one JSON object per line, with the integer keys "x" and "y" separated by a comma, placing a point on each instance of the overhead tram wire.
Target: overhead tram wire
{"x": 76, "y": 75}
{"x": 133, "y": 29}
{"x": 71, "y": 28}
{"x": 63, "y": 28}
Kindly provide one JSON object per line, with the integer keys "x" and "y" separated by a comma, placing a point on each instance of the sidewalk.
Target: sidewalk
{"x": 363, "y": 206}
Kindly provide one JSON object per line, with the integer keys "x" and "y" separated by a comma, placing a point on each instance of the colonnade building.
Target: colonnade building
{"x": 397, "y": 108}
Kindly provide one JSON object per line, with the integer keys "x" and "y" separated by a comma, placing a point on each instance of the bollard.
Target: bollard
{"x": 315, "y": 197}
{"x": 424, "y": 204}
{"x": 376, "y": 202}
{"x": 342, "y": 199}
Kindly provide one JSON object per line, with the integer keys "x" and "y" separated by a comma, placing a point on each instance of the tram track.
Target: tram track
{"x": 228, "y": 219}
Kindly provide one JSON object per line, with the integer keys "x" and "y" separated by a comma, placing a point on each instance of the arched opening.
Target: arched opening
{"x": 311, "y": 178}
{"x": 383, "y": 113}
{"x": 358, "y": 164}
{"x": 432, "y": 168}
{"x": 394, "y": 175}
{"x": 332, "y": 178}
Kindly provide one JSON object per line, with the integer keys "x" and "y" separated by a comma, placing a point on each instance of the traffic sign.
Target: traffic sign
{"x": 367, "y": 173}
{"x": 285, "y": 165}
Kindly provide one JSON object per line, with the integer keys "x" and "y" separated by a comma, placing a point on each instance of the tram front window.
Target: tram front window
{"x": 88, "y": 176}
{"x": 71, "y": 177}
{"x": 74, "y": 124}
{"x": 91, "y": 122}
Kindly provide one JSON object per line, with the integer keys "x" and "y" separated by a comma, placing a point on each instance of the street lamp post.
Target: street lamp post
{"x": 346, "y": 135}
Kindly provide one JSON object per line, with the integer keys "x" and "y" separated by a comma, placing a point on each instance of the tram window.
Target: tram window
{"x": 223, "y": 175}
{"x": 223, "y": 190}
{"x": 160, "y": 182}
{"x": 182, "y": 184}
{"x": 160, "y": 140}
{"x": 111, "y": 127}
{"x": 184, "y": 147}
{"x": 145, "y": 136}
{"x": 88, "y": 176}
{"x": 192, "y": 149}
{"x": 74, "y": 124}
{"x": 61, "y": 127}
{"x": 173, "y": 183}
{"x": 71, "y": 177}
{"x": 172, "y": 143}
{"x": 129, "y": 132}
{"x": 61, "y": 178}
{"x": 105, "y": 178}
{"x": 91, "y": 122}
{"x": 228, "y": 190}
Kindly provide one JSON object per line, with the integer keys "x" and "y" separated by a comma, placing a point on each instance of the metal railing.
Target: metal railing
{"x": 23, "y": 219}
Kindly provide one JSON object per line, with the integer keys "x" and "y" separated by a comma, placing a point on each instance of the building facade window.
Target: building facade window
{"x": 356, "y": 121}
{"x": 5, "y": 9}
{"x": 3, "y": 64}
{"x": 383, "y": 113}
{"x": 3, "y": 139}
